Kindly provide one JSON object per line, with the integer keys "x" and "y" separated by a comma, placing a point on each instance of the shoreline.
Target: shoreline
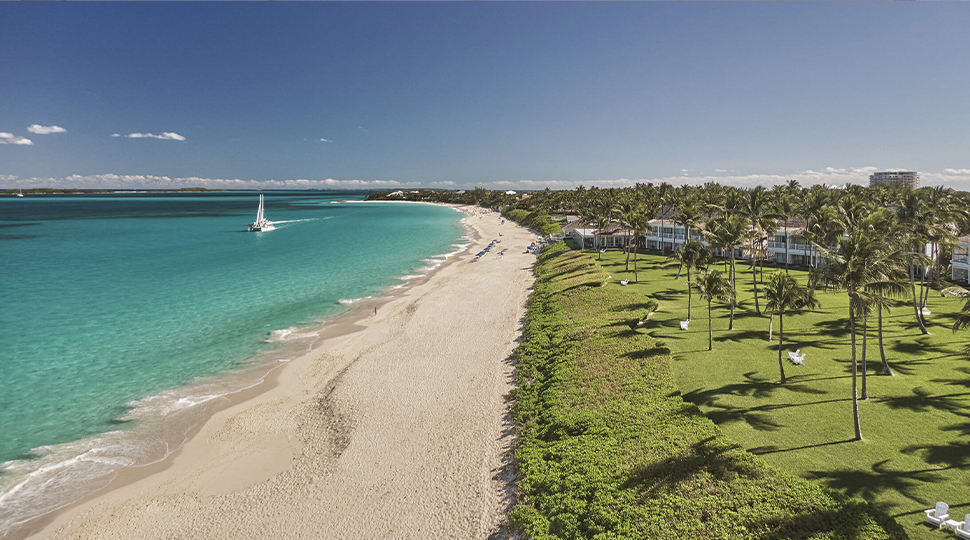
{"x": 352, "y": 325}
{"x": 253, "y": 376}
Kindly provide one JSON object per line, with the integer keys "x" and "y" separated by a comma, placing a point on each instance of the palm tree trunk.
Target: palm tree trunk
{"x": 771, "y": 322}
{"x": 710, "y": 328}
{"x": 919, "y": 316}
{"x": 754, "y": 279}
{"x": 636, "y": 276}
{"x": 734, "y": 295}
{"x": 882, "y": 351}
{"x": 661, "y": 230}
{"x": 855, "y": 393}
{"x": 689, "y": 295}
{"x": 781, "y": 342}
{"x": 865, "y": 337}
{"x": 786, "y": 245}
{"x": 628, "y": 251}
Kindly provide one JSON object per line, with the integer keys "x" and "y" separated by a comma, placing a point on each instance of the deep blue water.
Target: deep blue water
{"x": 122, "y": 314}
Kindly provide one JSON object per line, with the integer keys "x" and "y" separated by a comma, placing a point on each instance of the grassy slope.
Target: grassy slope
{"x": 608, "y": 449}
{"x": 915, "y": 425}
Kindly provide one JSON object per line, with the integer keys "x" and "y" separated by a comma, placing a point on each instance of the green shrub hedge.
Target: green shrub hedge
{"x": 537, "y": 221}
{"x": 607, "y": 448}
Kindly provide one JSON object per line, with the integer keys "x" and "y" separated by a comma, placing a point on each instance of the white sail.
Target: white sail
{"x": 261, "y": 223}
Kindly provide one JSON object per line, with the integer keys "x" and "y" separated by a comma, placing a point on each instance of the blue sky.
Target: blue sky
{"x": 498, "y": 95}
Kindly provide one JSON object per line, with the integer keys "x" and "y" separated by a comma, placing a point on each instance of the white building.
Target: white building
{"x": 960, "y": 261}
{"x": 909, "y": 179}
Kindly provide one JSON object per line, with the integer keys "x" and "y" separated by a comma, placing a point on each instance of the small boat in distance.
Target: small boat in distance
{"x": 261, "y": 223}
{"x": 19, "y": 193}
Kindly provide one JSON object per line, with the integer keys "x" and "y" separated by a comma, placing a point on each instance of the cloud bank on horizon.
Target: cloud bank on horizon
{"x": 831, "y": 176}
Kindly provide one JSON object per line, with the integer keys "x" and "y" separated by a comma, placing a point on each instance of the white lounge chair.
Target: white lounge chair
{"x": 796, "y": 358}
{"x": 937, "y": 516}
{"x": 683, "y": 324}
{"x": 962, "y": 528}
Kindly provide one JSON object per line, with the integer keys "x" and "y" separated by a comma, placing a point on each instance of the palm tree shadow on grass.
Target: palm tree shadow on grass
{"x": 635, "y": 307}
{"x": 670, "y": 294}
{"x": 918, "y": 346}
{"x": 870, "y": 484}
{"x": 836, "y": 328}
{"x": 923, "y": 401}
{"x": 774, "y": 449}
{"x": 908, "y": 367}
{"x": 953, "y": 454}
{"x": 655, "y": 479}
{"x": 965, "y": 383}
{"x": 962, "y": 427}
{"x": 758, "y": 417}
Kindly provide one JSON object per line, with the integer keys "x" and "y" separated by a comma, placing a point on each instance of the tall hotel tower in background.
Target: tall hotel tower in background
{"x": 907, "y": 178}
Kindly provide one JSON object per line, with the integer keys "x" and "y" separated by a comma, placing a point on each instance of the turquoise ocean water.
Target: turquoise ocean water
{"x": 125, "y": 317}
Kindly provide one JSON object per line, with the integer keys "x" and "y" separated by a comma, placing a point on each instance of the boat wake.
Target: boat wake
{"x": 299, "y": 220}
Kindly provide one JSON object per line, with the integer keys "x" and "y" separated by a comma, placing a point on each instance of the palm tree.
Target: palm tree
{"x": 640, "y": 223}
{"x": 756, "y": 208}
{"x": 963, "y": 319}
{"x": 912, "y": 217}
{"x": 694, "y": 254}
{"x": 712, "y": 286}
{"x": 784, "y": 293}
{"x": 866, "y": 265}
{"x": 727, "y": 235}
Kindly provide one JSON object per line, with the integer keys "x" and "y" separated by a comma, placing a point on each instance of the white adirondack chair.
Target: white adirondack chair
{"x": 796, "y": 358}
{"x": 962, "y": 528}
{"x": 936, "y": 516}
{"x": 683, "y": 324}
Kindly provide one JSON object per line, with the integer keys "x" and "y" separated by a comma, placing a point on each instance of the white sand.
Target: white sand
{"x": 399, "y": 430}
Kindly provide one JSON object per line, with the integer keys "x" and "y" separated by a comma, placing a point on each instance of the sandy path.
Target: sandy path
{"x": 395, "y": 431}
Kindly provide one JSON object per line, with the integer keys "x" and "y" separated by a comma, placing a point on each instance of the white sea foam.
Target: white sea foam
{"x": 54, "y": 476}
{"x": 287, "y": 334}
{"x": 348, "y": 302}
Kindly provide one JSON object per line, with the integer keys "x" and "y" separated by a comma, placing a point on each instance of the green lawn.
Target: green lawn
{"x": 607, "y": 449}
{"x": 915, "y": 425}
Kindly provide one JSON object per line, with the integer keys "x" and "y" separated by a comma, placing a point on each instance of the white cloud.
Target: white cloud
{"x": 325, "y": 140}
{"x": 147, "y": 181}
{"x": 10, "y": 138}
{"x": 720, "y": 170}
{"x": 168, "y": 135}
{"x": 116, "y": 134}
{"x": 45, "y": 130}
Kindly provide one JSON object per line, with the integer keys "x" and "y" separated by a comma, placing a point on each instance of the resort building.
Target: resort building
{"x": 960, "y": 261}
{"x": 589, "y": 236}
{"x": 909, "y": 179}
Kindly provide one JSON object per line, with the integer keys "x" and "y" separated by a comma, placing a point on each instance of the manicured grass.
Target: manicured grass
{"x": 915, "y": 425}
{"x": 609, "y": 449}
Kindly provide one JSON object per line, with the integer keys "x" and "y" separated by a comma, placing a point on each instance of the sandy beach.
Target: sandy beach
{"x": 396, "y": 427}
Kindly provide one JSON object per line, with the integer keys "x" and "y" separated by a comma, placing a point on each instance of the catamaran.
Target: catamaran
{"x": 261, "y": 223}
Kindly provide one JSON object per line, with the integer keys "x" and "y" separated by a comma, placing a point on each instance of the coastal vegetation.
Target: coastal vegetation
{"x": 608, "y": 446}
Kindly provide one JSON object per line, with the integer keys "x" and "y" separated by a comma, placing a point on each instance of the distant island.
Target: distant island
{"x": 76, "y": 191}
